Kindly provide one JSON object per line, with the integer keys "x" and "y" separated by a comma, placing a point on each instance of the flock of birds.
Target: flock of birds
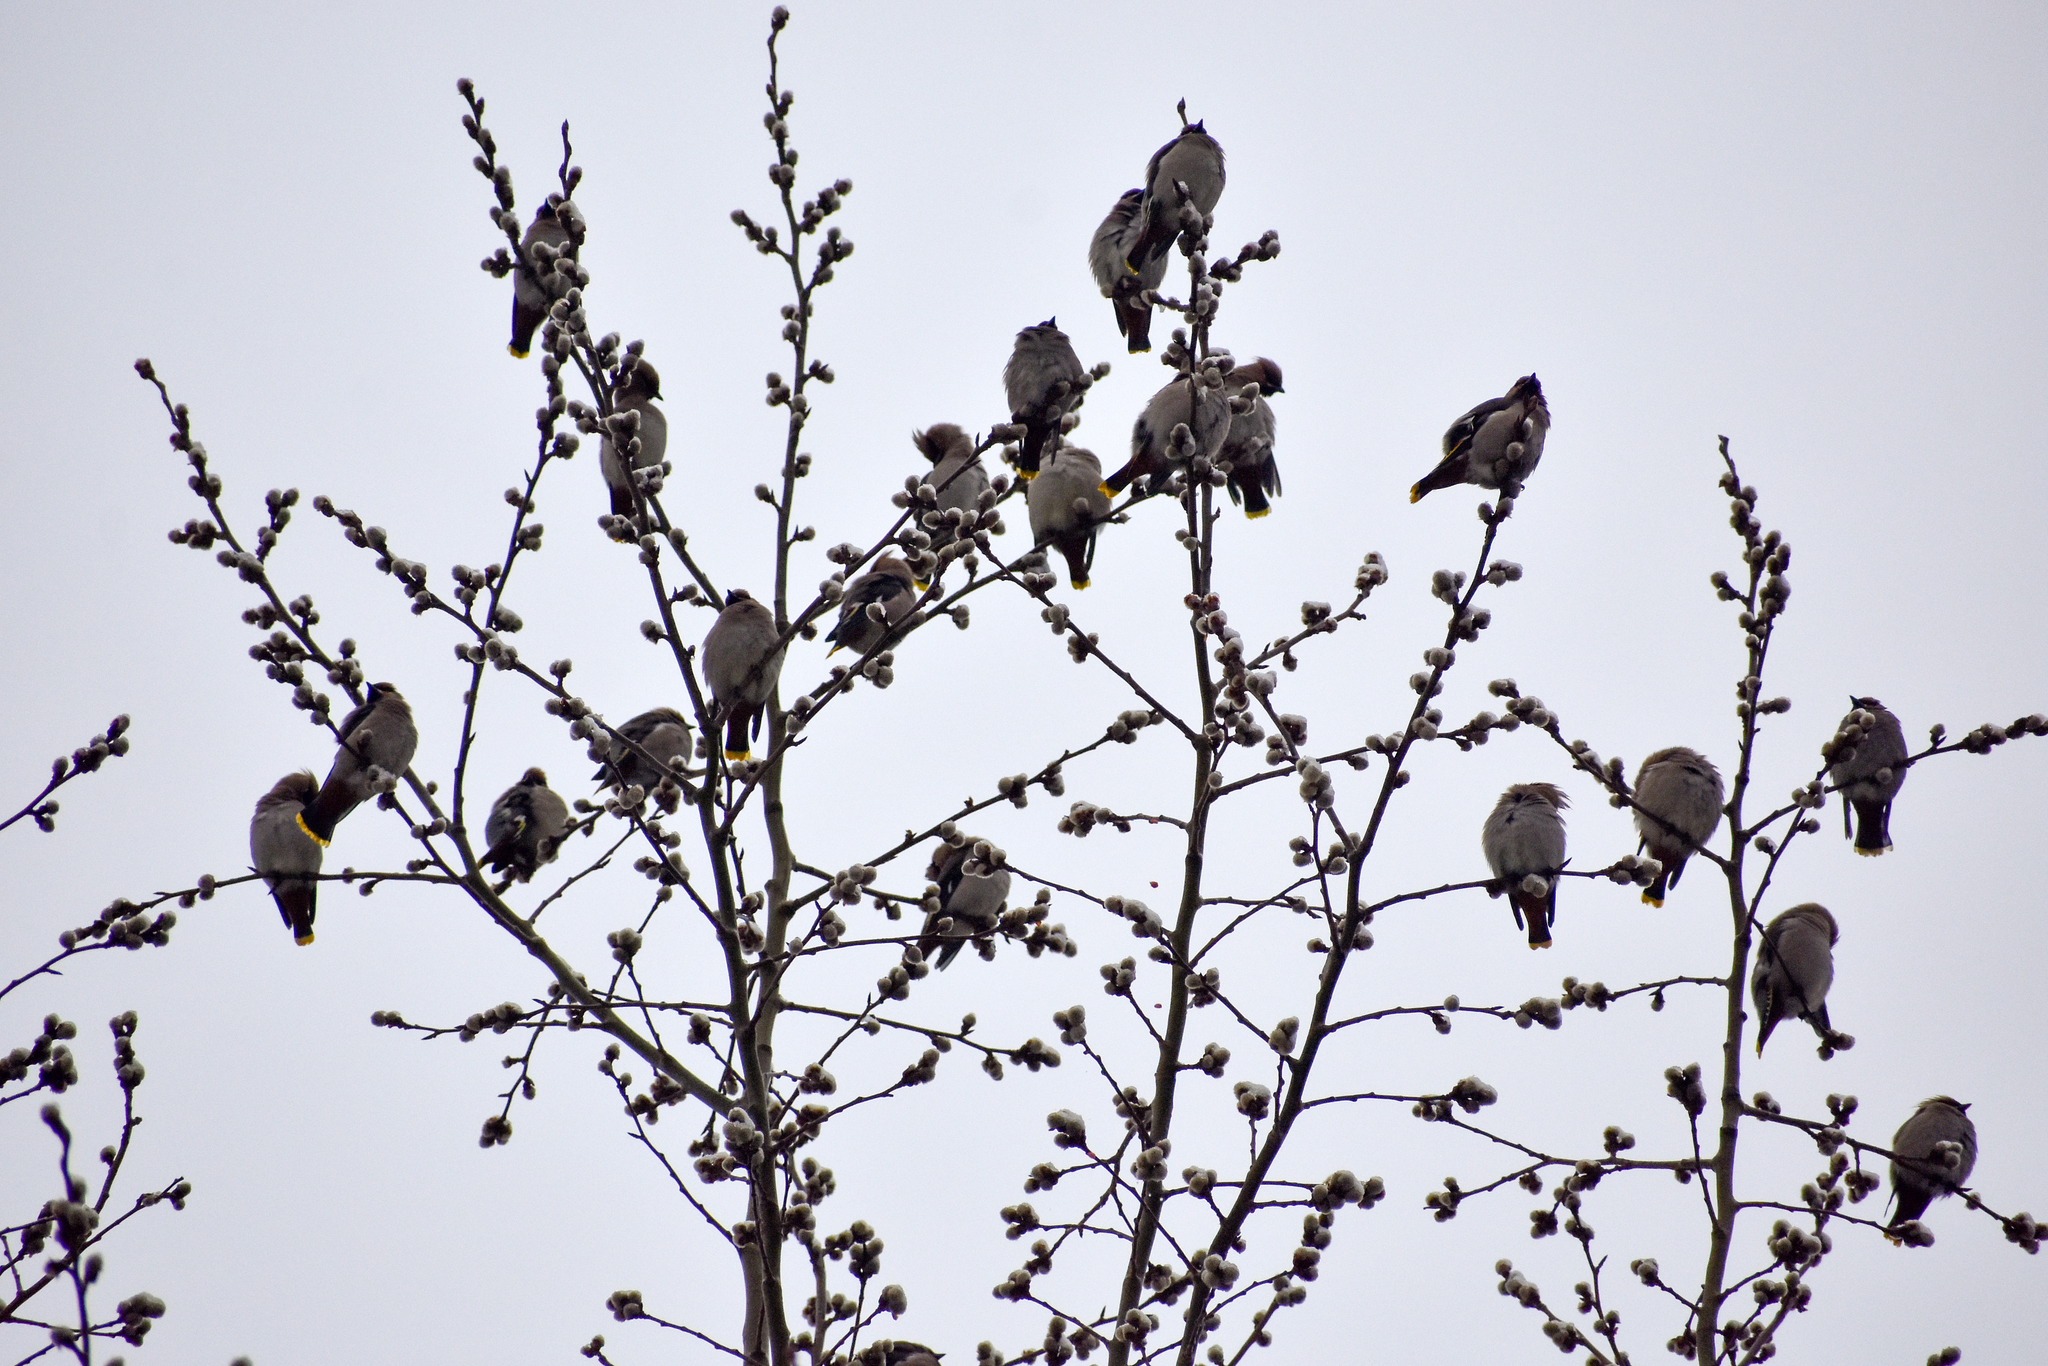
{"x": 1214, "y": 411}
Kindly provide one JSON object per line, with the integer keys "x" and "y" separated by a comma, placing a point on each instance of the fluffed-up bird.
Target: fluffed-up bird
{"x": 285, "y": 854}
{"x": 1795, "y": 965}
{"x": 1193, "y": 160}
{"x": 529, "y": 300}
{"x": 1043, "y": 380}
{"x": 1248, "y": 447}
{"x": 910, "y": 1354}
{"x": 1921, "y": 1177}
{"x": 742, "y": 664}
{"x": 664, "y": 733}
{"x": 1067, "y": 506}
{"x": 1495, "y": 445}
{"x": 378, "y": 734}
{"x": 1524, "y": 837}
{"x": 971, "y": 899}
{"x": 890, "y": 586}
{"x": 525, "y": 827}
{"x": 1108, "y": 255}
{"x": 1869, "y": 774}
{"x": 1185, "y": 400}
{"x": 1678, "y": 807}
{"x": 958, "y": 477}
{"x": 636, "y": 394}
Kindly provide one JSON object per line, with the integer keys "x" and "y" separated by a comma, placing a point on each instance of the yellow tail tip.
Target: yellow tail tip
{"x": 1104, "y": 490}
{"x": 1251, "y": 516}
{"x": 1027, "y": 475}
{"x": 1544, "y": 945}
{"x": 1649, "y": 900}
{"x": 303, "y": 940}
{"x": 517, "y": 354}
{"x": 828, "y": 654}
{"x": 301, "y": 819}
{"x": 921, "y": 587}
{"x": 1080, "y": 583}
{"x": 1415, "y": 495}
{"x": 1874, "y": 853}
{"x": 737, "y": 754}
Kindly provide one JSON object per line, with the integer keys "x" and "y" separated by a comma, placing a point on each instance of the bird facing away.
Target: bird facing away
{"x": 1496, "y": 445}
{"x": 1193, "y": 160}
{"x": 958, "y": 477}
{"x": 1184, "y": 401}
{"x": 663, "y": 732}
{"x": 1254, "y": 478}
{"x": 1923, "y": 1177}
{"x": 1869, "y": 774}
{"x": 1795, "y": 965}
{"x": 529, "y": 300}
{"x": 889, "y": 586}
{"x": 285, "y": 854}
{"x": 1067, "y": 506}
{"x": 636, "y": 394}
{"x": 1524, "y": 837}
{"x": 971, "y": 900}
{"x": 742, "y": 663}
{"x": 910, "y": 1354}
{"x": 1108, "y": 252}
{"x": 1678, "y": 807}
{"x": 1043, "y": 380}
{"x": 526, "y": 826}
{"x": 378, "y": 734}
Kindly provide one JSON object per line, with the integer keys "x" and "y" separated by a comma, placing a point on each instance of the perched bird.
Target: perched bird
{"x": 1869, "y": 772}
{"x": 910, "y": 1354}
{"x": 742, "y": 663}
{"x": 636, "y": 394}
{"x": 1795, "y": 964}
{"x": 1067, "y": 507}
{"x": 1042, "y": 381}
{"x": 1919, "y": 1176}
{"x": 971, "y": 899}
{"x": 1496, "y": 445}
{"x": 1185, "y": 400}
{"x": 664, "y": 733}
{"x": 526, "y": 824}
{"x": 284, "y": 852}
{"x": 378, "y": 734}
{"x": 888, "y": 585}
{"x": 529, "y": 300}
{"x": 958, "y": 477}
{"x": 1108, "y": 252}
{"x": 1678, "y": 807}
{"x": 1254, "y": 475}
{"x": 1525, "y": 837}
{"x": 1193, "y": 160}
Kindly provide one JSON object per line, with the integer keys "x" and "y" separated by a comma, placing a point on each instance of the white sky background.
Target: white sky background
{"x": 1819, "y": 233}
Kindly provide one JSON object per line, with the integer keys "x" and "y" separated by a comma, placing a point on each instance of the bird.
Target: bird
{"x": 1194, "y": 160}
{"x": 1678, "y": 807}
{"x": 1795, "y": 964}
{"x": 1254, "y": 475}
{"x": 529, "y": 300}
{"x": 1524, "y": 837}
{"x": 1108, "y": 252}
{"x": 1919, "y": 1177}
{"x": 1184, "y": 400}
{"x": 664, "y": 733}
{"x": 958, "y": 477}
{"x": 1056, "y": 499}
{"x": 1496, "y": 445}
{"x": 910, "y": 1354}
{"x": 286, "y": 853}
{"x": 378, "y": 734}
{"x": 742, "y": 661}
{"x": 637, "y": 389}
{"x": 971, "y": 899}
{"x": 1042, "y": 381}
{"x": 890, "y": 585}
{"x": 526, "y": 825}
{"x": 1868, "y": 774}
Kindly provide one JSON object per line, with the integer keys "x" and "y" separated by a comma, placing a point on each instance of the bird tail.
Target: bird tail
{"x": 1536, "y": 912}
{"x": 1448, "y": 474}
{"x": 1035, "y": 433}
{"x": 295, "y": 905}
{"x": 1873, "y": 828}
{"x": 328, "y": 810}
{"x": 1079, "y": 548}
{"x": 1769, "y": 1010}
{"x": 1253, "y": 493}
{"x": 1667, "y": 876}
{"x": 525, "y": 321}
{"x": 1818, "y": 1018}
{"x": 622, "y": 502}
{"x": 1121, "y": 480}
{"x": 1134, "y": 320}
{"x": 736, "y": 732}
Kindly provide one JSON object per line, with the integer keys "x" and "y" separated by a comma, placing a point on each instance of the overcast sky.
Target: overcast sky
{"x": 1819, "y": 232}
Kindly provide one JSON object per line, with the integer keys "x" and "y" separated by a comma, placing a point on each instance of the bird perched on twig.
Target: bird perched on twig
{"x": 1795, "y": 965}
{"x": 1186, "y": 171}
{"x": 1067, "y": 506}
{"x": 526, "y": 825}
{"x": 1248, "y": 448}
{"x": 1108, "y": 255}
{"x": 910, "y": 1354}
{"x": 529, "y": 300}
{"x": 638, "y": 388}
{"x": 1524, "y": 838}
{"x": 958, "y": 478}
{"x": 1496, "y": 445}
{"x": 1868, "y": 767}
{"x": 1678, "y": 807}
{"x": 972, "y": 893}
{"x": 889, "y": 586}
{"x": 284, "y": 852}
{"x": 1043, "y": 381}
{"x": 377, "y": 735}
{"x": 742, "y": 663}
{"x": 1920, "y": 1175}
{"x": 1186, "y": 401}
{"x": 663, "y": 732}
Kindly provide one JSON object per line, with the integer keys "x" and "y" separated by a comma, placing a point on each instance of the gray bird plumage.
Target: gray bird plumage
{"x": 971, "y": 898}
{"x": 636, "y": 394}
{"x": 380, "y": 734}
{"x": 525, "y": 827}
{"x": 1524, "y": 836}
{"x": 1254, "y": 478}
{"x": 910, "y": 1354}
{"x": 1680, "y": 790}
{"x": 1108, "y": 253}
{"x": 1795, "y": 965}
{"x": 742, "y": 664}
{"x": 1194, "y": 160}
{"x": 1495, "y": 445}
{"x": 1043, "y": 382}
{"x": 1868, "y": 771}
{"x": 529, "y": 300}
{"x": 1922, "y": 1178}
{"x": 287, "y": 856}
{"x": 1072, "y": 478}
{"x": 1185, "y": 400}
{"x": 889, "y": 585}
{"x": 664, "y": 733}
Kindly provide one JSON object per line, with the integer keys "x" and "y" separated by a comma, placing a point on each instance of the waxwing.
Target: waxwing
{"x": 1186, "y": 400}
{"x": 636, "y": 392}
{"x": 1067, "y": 505}
{"x": 285, "y": 854}
{"x": 1108, "y": 252}
{"x": 1043, "y": 380}
{"x": 1678, "y": 806}
{"x": 910, "y": 1354}
{"x": 1524, "y": 838}
{"x": 958, "y": 478}
{"x": 1867, "y": 765}
{"x": 1924, "y": 1176}
{"x": 1254, "y": 475}
{"x": 1193, "y": 160}
{"x": 1496, "y": 445}
{"x": 529, "y": 300}
{"x": 742, "y": 663}
{"x": 378, "y": 734}
{"x": 526, "y": 825}
{"x": 889, "y": 586}
{"x": 1795, "y": 964}
{"x": 663, "y": 732}
{"x": 971, "y": 899}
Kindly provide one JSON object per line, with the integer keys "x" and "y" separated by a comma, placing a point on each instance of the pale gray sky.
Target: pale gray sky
{"x": 1819, "y": 232}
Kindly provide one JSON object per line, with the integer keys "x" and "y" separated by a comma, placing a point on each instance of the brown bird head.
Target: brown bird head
{"x": 642, "y": 382}
{"x": 738, "y": 595}
{"x": 940, "y": 440}
{"x": 1820, "y": 915}
{"x": 533, "y": 777}
{"x": 1543, "y": 792}
{"x": 377, "y": 692}
{"x": 1259, "y": 371}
